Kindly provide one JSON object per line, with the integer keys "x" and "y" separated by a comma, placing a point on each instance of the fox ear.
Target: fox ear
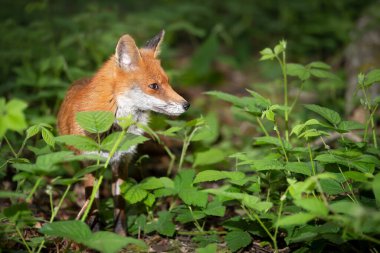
{"x": 127, "y": 54}
{"x": 155, "y": 43}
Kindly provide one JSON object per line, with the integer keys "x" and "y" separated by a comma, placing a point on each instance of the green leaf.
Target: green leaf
{"x": 267, "y": 164}
{"x": 185, "y": 216}
{"x": 83, "y": 143}
{"x": 272, "y": 141}
{"x": 151, "y": 183}
{"x": 191, "y": 196}
{"x": 215, "y": 208}
{"x": 319, "y": 65}
{"x": 323, "y": 74}
{"x": 372, "y": 77}
{"x": 74, "y": 230}
{"x": 330, "y": 115}
{"x": 266, "y": 54}
{"x": 331, "y": 186}
{"x": 214, "y": 175}
{"x": 237, "y": 240}
{"x": 211, "y": 156}
{"x": 131, "y": 140}
{"x": 298, "y": 70}
{"x": 295, "y": 219}
{"x": 108, "y": 242}
{"x": 165, "y": 224}
{"x": 95, "y": 121}
{"x": 227, "y": 97}
{"x": 211, "y": 248}
{"x": 313, "y": 205}
{"x": 135, "y": 194}
{"x": 347, "y": 126}
{"x": 48, "y": 137}
{"x": 298, "y": 167}
{"x": 376, "y": 188}
{"x": 259, "y": 100}
{"x": 32, "y": 131}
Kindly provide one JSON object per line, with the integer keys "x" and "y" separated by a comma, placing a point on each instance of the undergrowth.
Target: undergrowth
{"x": 302, "y": 184}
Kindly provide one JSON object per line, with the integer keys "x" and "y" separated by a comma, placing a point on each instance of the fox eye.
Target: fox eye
{"x": 154, "y": 86}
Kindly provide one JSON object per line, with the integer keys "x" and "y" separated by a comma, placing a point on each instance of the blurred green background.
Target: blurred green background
{"x": 45, "y": 45}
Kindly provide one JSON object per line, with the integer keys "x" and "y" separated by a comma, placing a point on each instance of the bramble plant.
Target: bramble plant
{"x": 294, "y": 186}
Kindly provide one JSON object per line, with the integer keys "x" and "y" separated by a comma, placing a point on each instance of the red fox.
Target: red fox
{"x": 131, "y": 82}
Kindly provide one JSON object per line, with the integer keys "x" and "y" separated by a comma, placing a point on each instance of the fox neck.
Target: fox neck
{"x": 127, "y": 106}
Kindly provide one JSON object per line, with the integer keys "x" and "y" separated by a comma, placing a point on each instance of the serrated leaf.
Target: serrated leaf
{"x": 83, "y": 143}
{"x": 267, "y": 164}
{"x": 227, "y": 97}
{"x": 211, "y": 248}
{"x": 135, "y": 194}
{"x": 211, "y": 156}
{"x": 95, "y": 121}
{"x": 331, "y": 186}
{"x": 48, "y": 137}
{"x": 165, "y": 224}
{"x": 266, "y": 54}
{"x": 298, "y": 70}
{"x": 320, "y": 73}
{"x": 298, "y": 167}
{"x": 372, "y": 77}
{"x": 330, "y": 115}
{"x": 214, "y": 175}
{"x": 74, "y": 230}
{"x": 131, "y": 140}
{"x": 191, "y": 196}
{"x": 215, "y": 208}
{"x": 108, "y": 242}
{"x": 319, "y": 65}
{"x": 151, "y": 183}
{"x": 272, "y": 141}
{"x": 185, "y": 216}
{"x": 237, "y": 240}
{"x": 295, "y": 219}
{"x": 349, "y": 126}
{"x": 313, "y": 205}
{"x": 32, "y": 131}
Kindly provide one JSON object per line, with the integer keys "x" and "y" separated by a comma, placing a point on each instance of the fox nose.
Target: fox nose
{"x": 186, "y": 105}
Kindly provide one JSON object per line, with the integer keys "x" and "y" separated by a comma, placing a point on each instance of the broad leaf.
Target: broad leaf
{"x": 376, "y": 188}
{"x": 313, "y": 205}
{"x": 211, "y": 156}
{"x": 165, "y": 224}
{"x": 108, "y": 242}
{"x": 95, "y": 121}
{"x": 214, "y": 175}
{"x": 80, "y": 142}
{"x": 330, "y": 115}
{"x": 74, "y": 230}
{"x": 295, "y": 219}
{"x": 372, "y": 77}
{"x": 237, "y": 240}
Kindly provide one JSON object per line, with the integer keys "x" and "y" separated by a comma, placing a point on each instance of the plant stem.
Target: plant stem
{"x": 196, "y": 223}
{"x": 256, "y": 217}
{"x": 185, "y": 146}
{"x": 22, "y": 147}
{"x": 10, "y": 146}
{"x": 55, "y": 212}
{"x": 23, "y": 239}
{"x": 262, "y": 126}
{"x": 172, "y": 160}
{"x": 311, "y": 158}
{"x": 36, "y": 184}
{"x": 297, "y": 97}
{"x": 281, "y": 142}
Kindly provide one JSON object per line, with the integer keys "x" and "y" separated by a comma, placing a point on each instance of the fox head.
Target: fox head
{"x": 141, "y": 83}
